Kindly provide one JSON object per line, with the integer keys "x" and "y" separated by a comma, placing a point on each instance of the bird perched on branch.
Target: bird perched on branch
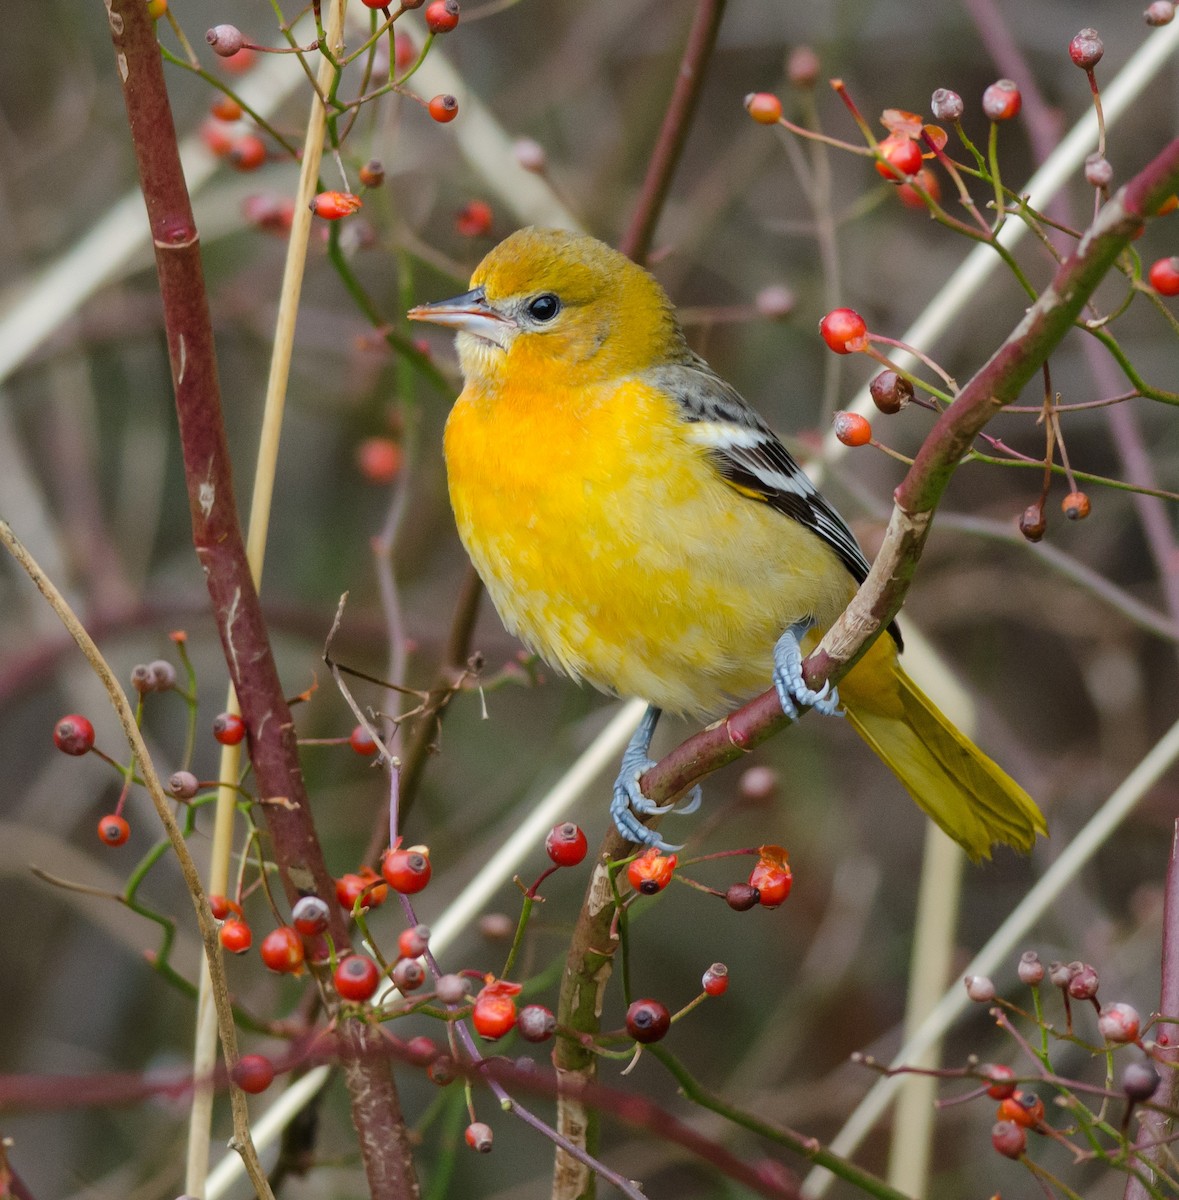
{"x": 640, "y": 527}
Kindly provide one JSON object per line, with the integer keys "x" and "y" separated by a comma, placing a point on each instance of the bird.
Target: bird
{"x": 641, "y": 528}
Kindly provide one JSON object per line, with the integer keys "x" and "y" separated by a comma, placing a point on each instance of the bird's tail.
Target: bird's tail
{"x": 972, "y": 799}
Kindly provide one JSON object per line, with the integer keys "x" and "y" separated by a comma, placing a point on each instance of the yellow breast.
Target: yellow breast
{"x": 611, "y": 547}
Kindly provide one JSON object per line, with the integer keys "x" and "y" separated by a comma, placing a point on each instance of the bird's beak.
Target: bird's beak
{"x": 469, "y": 313}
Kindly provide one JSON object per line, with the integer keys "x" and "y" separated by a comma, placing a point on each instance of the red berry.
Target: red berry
{"x": 1002, "y": 1080}
{"x": 479, "y": 1137}
{"x": 536, "y": 1023}
{"x": 247, "y": 153}
{"x": 1002, "y": 101}
{"x": 647, "y": 1021}
{"x": 421, "y": 1049}
{"x": 773, "y": 880}
{"x": 282, "y": 950}
{"x": 407, "y": 871}
{"x": 651, "y": 872}
{"x": 1119, "y": 1023}
{"x": 802, "y": 67}
{"x": 764, "y": 107}
{"x": 566, "y": 844}
{"x": 218, "y": 140}
{"x": 221, "y": 906}
{"x": 1075, "y": 506}
{"x": 405, "y": 53}
{"x": 1086, "y": 49}
{"x": 362, "y": 742}
{"x": 910, "y": 197}
{"x": 1082, "y": 981}
{"x": 235, "y": 936}
{"x": 1164, "y": 276}
{"x": 900, "y": 151}
{"x": 494, "y": 1013}
{"x": 442, "y": 15}
{"x": 229, "y": 728}
{"x": 243, "y": 60}
{"x": 716, "y": 979}
{"x": 375, "y": 3}
{"x": 113, "y": 829}
{"x": 348, "y": 890}
{"x": 372, "y": 174}
{"x": 226, "y": 108}
{"x": 356, "y": 978}
{"x": 270, "y": 213}
{"x": 379, "y": 459}
{"x": 473, "y": 219}
{"x": 310, "y": 915}
{"x": 225, "y": 40}
{"x": 376, "y": 891}
{"x": 408, "y": 975}
{"x": 844, "y": 330}
{"x": 412, "y": 942}
{"x": 1024, "y": 1108}
{"x": 74, "y": 735}
{"x": 1009, "y": 1138}
{"x": 331, "y": 206}
{"x": 443, "y": 108}
{"x": 852, "y": 429}
{"x": 253, "y": 1073}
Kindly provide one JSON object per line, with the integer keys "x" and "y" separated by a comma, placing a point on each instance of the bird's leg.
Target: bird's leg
{"x": 628, "y": 796}
{"x": 788, "y": 681}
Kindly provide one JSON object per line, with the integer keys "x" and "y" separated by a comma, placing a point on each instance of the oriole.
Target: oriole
{"x": 640, "y": 527}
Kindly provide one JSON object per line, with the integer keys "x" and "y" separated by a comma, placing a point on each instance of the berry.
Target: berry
{"x": 536, "y": 1023}
{"x": 1140, "y": 1080}
{"x": 774, "y": 302}
{"x": 772, "y": 878}
{"x": 442, "y": 15}
{"x": 651, "y": 872}
{"x": 226, "y": 108}
{"x": 478, "y": 1136}
{"x": 1164, "y": 276}
{"x": 852, "y": 429}
{"x": 1098, "y": 170}
{"x": 225, "y": 40}
{"x": 217, "y": 138}
{"x": 494, "y": 1013}
{"x": 910, "y": 197}
{"x": 741, "y": 897}
{"x": 362, "y": 742}
{"x": 221, "y": 906}
{"x": 310, "y": 915}
{"x": 229, "y": 728}
{"x": 1030, "y": 969}
{"x": 240, "y": 62}
{"x": 497, "y": 927}
{"x": 405, "y": 53}
{"x": 716, "y": 979}
{"x": 253, "y": 1073}
{"x": 375, "y": 3}
{"x": 407, "y": 871}
{"x": 142, "y": 679}
{"x": 332, "y": 206}
{"x": 412, "y": 942}
{"x": 443, "y": 108}
{"x": 375, "y": 891}
{"x": 452, "y": 989}
{"x": 1032, "y": 523}
{"x": 1075, "y": 506}
{"x": 113, "y": 830}
{"x": 349, "y": 888}
{"x": 1119, "y": 1023}
{"x": 647, "y": 1021}
{"x": 473, "y": 219}
{"x": 247, "y": 153}
{"x": 1024, "y": 1108}
{"x": 282, "y": 950}
{"x": 758, "y": 783}
{"x": 566, "y": 844}
{"x": 764, "y": 107}
{"x": 947, "y": 105}
{"x": 372, "y": 174}
{"x": 900, "y": 151}
{"x": 1002, "y": 101}
{"x": 890, "y": 391}
{"x": 408, "y": 975}
{"x": 235, "y": 936}
{"x": 530, "y": 155}
{"x": 441, "y": 1071}
{"x": 356, "y": 978}
{"x": 1086, "y": 49}
{"x": 802, "y": 67}
{"x": 156, "y": 8}
{"x": 379, "y": 459}
{"x": 74, "y": 735}
{"x": 1161, "y": 12}
{"x": 1059, "y": 974}
{"x": 844, "y": 330}
{"x": 421, "y": 1049}
{"x": 1002, "y": 1080}
{"x": 1009, "y": 1138}
{"x": 980, "y": 988}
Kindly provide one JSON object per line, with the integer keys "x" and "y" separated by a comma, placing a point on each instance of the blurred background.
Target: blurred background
{"x": 1073, "y": 686}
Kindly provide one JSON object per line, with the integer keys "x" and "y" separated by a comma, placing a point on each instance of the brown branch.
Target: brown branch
{"x": 221, "y": 551}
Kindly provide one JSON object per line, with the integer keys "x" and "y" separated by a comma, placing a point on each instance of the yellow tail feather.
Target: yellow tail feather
{"x": 972, "y": 799}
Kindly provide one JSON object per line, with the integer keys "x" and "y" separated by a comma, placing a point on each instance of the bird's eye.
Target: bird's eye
{"x": 544, "y": 307}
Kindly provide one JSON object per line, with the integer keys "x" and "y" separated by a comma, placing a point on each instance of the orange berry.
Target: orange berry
{"x": 331, "y": 206}
{"x": 443, "y": 108}
{"x": 379, "y": 459}
{"x": 248, "y": 152}
{"x": 226, "y": 108}
{"x": 844, "y": 330}
{"x": 1024, "y": 1108}
{"x": 218, "y": 140}
{"x": 474, "y": 219}
{"x": 1075, "y": 506}
{"x": 764, "y": 107}
{"x": 852, "y": 429}
{"x": 651, "y": 872}
{"x": 911, "y": 198}
{"x": 1002, "y": 101}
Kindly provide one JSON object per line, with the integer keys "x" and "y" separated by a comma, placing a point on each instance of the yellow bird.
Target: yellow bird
{"x": 640, "y": 527}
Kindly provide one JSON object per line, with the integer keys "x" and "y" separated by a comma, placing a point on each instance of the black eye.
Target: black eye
{"x": 544, "y": 307}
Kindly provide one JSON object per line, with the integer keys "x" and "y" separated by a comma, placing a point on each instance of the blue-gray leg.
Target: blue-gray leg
{"x": 628, "y": 797}
{"x": 788, "y": 681}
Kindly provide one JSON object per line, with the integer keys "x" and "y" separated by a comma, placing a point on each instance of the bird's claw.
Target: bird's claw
{"x": 790, "y": 685}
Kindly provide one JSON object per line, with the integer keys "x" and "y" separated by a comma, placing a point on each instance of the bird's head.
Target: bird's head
{"x": 547, "y": 300}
